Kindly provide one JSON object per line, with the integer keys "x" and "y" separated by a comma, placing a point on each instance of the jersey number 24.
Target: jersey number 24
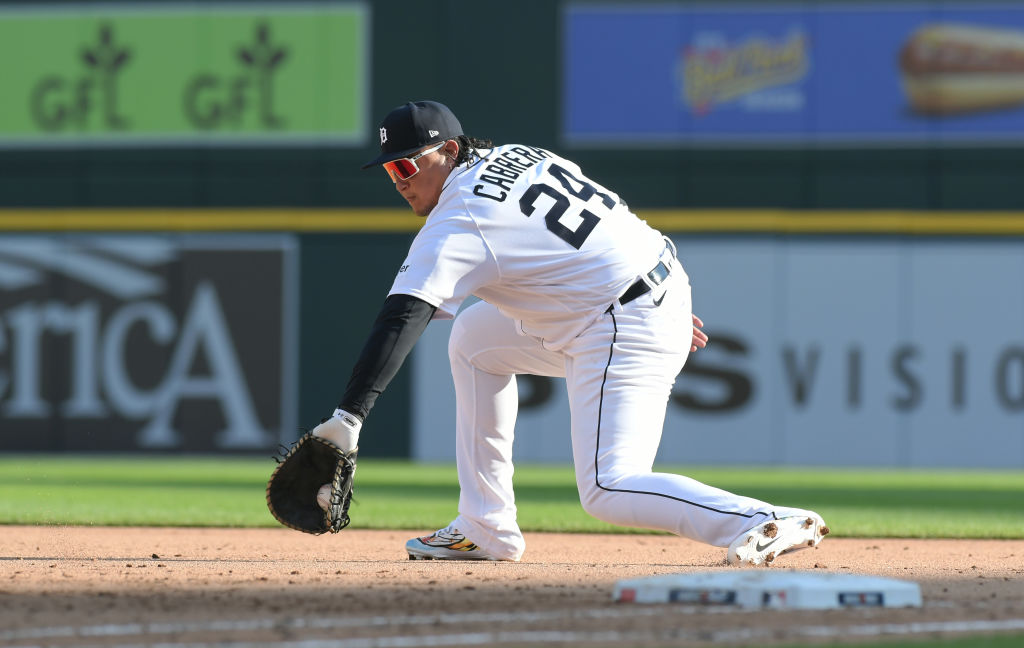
{"x": 575, "y": 187}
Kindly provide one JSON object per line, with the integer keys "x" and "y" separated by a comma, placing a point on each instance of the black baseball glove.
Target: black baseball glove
{"x": 308, "y": 464}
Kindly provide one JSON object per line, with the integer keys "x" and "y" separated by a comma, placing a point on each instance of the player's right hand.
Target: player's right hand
{"x": 700, "y": 338}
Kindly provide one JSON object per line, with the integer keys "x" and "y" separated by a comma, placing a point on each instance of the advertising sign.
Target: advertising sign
{"x": 147, "y": 342}
{"x": 845, "y": 74}
{"x": 184, "y": 74}
{"x": 823, "y": 352}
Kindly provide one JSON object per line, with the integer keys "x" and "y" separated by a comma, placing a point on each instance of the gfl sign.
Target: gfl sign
{"x": 213, "y": 101}
{"x": 143, "y": 342}
{"x": 208, "y": 101}
{"x": 59, "y": 102}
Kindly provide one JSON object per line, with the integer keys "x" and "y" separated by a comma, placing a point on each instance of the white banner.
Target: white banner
{"x": 824, "y": 351}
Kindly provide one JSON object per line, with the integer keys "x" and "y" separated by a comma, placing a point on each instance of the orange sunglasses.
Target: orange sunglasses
{"x": 405, "y": 168}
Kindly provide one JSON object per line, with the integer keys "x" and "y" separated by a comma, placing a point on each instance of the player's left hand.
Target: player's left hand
{"x": 309, "y": 465}
{"x": 700, "y": 338}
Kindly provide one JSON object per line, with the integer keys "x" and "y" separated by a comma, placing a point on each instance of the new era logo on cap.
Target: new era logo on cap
{"x": 409, "y": 128}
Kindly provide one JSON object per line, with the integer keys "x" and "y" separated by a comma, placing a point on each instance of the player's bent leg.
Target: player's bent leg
{"x": 620, "y": 374}
{"x": 485, "y": 353}
{"x": 669, "y": 502}
{"x": 755, "y": 532}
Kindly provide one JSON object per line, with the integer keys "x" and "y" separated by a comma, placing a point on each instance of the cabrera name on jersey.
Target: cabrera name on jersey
{"x": 526, "y": 231}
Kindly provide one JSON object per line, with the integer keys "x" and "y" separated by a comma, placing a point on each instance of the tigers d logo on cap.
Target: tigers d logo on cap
{"x": 410, "y": 127}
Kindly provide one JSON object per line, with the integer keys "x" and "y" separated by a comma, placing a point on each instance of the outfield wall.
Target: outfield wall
{"x": 776, "y": 138}
{"x": 886, "y": 347}
{"x": 831, "y": 351}
{"x": 184, "y": 122}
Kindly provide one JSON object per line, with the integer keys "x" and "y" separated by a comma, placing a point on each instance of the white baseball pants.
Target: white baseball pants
{"x": 619, "y": 373}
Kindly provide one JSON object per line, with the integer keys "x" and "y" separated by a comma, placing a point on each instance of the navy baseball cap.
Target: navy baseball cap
{"x": 409, "y": 128}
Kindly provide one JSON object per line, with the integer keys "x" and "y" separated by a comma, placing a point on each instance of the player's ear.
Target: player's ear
{"x": 451, "y": 149}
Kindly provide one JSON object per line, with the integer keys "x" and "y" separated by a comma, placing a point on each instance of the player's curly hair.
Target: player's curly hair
{"x": 468, "y": 148}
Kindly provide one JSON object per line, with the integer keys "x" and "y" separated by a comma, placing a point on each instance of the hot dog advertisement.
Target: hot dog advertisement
{"x": 955, "y": 68}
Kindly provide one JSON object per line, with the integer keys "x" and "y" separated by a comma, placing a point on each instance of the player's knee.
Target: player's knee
{"x": 597, "y": 502}
{"x": 592, "y": 506}
{"x": 603, "y": 498}
{"x": 608, "y": 509}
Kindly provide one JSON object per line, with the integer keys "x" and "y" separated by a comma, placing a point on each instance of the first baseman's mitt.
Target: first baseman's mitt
{"x": 308, "y": 464}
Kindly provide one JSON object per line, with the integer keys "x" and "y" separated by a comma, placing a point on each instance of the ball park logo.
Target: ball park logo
{"x": 714, "y": 72}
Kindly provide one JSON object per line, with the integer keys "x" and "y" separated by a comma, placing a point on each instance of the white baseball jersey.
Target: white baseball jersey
{"x": 526, "y": 231}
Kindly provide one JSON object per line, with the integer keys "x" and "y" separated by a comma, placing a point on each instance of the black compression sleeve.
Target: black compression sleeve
{"x": 399, "y": 324}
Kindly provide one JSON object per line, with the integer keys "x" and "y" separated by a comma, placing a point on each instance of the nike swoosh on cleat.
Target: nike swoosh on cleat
{"x": 761, "y": 547}
{"x": 657, "y": 302}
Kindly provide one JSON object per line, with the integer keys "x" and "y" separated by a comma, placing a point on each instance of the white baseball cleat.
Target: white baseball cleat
{"x": 445, "y": 544}
{"x": 768, "y": 540}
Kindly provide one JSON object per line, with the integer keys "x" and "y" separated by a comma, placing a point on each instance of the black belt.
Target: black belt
{"x": 657, "y": 275}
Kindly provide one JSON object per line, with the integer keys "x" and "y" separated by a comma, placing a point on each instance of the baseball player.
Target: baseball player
{"x": 573, "y": 285}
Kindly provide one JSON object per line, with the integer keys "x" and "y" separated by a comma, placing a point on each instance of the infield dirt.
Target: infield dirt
{"x": 274, "y": 587}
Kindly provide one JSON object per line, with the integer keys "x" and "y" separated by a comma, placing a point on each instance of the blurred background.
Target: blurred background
{"x": 191, "y": 257}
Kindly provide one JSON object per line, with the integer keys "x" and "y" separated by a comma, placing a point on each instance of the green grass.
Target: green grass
{"x": 229, "y": 491}
{"x": 991, "y": 641}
